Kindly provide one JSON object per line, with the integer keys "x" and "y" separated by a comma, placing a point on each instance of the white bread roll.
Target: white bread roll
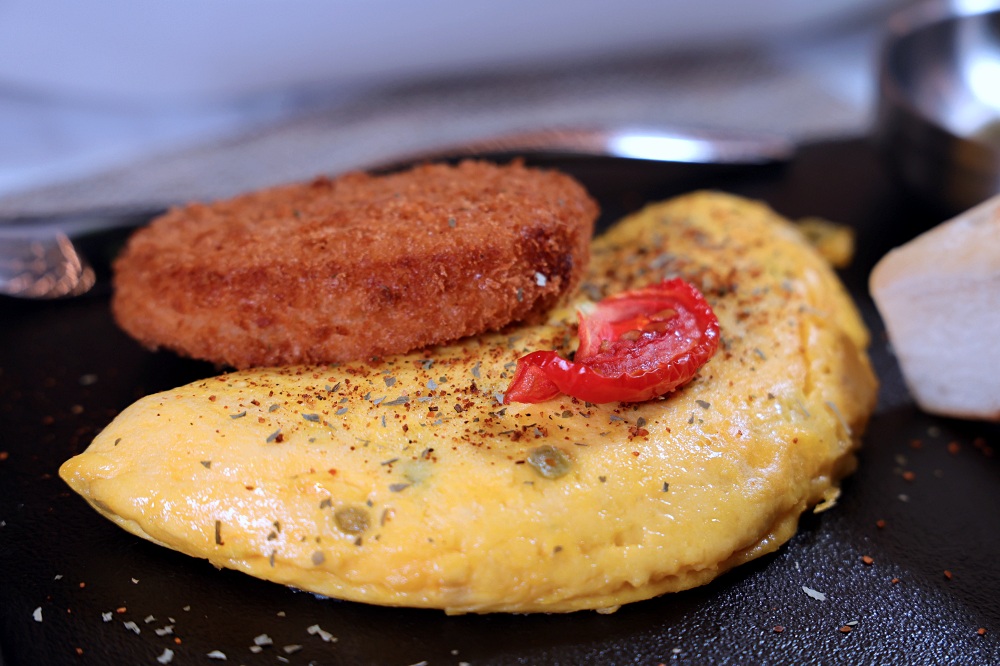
{"x": 939, "y": 296}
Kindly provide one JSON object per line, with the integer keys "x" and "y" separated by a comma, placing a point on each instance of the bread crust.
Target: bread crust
{"x": 355, "y": 267}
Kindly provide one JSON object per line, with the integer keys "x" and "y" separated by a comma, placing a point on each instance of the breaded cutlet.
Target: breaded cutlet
{"x": 357, "y": 266}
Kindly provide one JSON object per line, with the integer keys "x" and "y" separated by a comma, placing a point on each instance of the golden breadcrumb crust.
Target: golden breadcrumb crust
{"x": 357, "y": 266}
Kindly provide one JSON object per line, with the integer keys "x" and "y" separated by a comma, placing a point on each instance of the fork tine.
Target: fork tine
{"x": 43, "y": 267}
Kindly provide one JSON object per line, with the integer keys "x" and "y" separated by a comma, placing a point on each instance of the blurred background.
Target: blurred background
{"x": 138, "y": 104}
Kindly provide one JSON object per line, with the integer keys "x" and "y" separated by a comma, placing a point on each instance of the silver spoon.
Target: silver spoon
{"x": 39, "y": 261}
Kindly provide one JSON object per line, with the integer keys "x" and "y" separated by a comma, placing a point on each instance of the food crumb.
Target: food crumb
{"x": 107, "y": 616}
{"x": 947, "y": 574}
{"x": 894, "y": 581}
{"x": 867, "y": 559}
{"x": 4, "y": 455}
{"x": 778, "y": 629}
{"x": 121, "y": 610}
{"x": 166, "y": 657}
{"x": 954, "y": 448}
{"x": 78, "y": 650}
{"x": 37, "y": 614}
{"x": 132, "y": 626}
{"x": 327, "y": 637}
{"x": 846, "y": 629}
{"x": 880, "y": 524}
{"x": 217, "y": 654}
{"x": 909, "y": 476}
{"x": 981, "y": 631}
{"x": 262, "y": 640}
{"x": 815, "y": 594}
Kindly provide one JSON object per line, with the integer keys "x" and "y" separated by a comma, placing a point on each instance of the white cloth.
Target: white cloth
{"x": 57, "y": 157}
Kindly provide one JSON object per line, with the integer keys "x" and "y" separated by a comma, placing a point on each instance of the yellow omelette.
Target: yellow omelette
{"x": 407, "y": 482}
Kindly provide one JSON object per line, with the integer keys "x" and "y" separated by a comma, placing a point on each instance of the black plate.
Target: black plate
{"x": 934, "y": 580}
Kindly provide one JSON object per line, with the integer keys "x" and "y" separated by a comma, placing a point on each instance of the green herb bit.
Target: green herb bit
{"x": 311, "y": 417}
{"x": 389, "y": 381}
{"x": 273, "y": 407}
{"x": 238, "y": 416}
{"x": 704, "y": 404}
{"x": 341, "y": 411}
{"x": 326, "y": 503}
{"x": 640, "y": 422}
{"x": 207, "y": 464}
{"x": 398, "y": 487}
{"x": 351, "y": 519}
{"x": 549, "y": 461}
{"x": 218, "y": 533}
{"x": 475, "y": 370}
{"x": 273, "y": 436}
{"x": 401, "y": 400}
{"x": 318, "y": 558}
{"x": 431, "y": 384}
{"x": 666, "y": 487}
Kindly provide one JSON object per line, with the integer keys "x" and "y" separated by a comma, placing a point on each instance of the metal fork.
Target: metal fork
{"x": 43, "y": 264}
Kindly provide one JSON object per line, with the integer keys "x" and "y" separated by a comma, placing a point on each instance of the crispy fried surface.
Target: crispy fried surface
{"x": 355, "y": 267}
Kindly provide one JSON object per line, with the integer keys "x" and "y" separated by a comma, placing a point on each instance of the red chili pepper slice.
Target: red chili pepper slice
{"x": 635, "y": 346}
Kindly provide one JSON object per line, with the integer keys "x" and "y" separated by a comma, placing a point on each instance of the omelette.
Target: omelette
{"x": 406, "y": 481}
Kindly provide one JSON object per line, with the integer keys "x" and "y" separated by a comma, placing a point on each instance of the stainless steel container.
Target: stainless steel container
{"x": 938, "y": 116}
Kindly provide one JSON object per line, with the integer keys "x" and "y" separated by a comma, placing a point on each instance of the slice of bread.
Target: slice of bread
{"x": 939, "y": 296}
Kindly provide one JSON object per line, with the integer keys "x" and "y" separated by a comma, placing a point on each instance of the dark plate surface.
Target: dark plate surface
{"x": 106, "y": 597}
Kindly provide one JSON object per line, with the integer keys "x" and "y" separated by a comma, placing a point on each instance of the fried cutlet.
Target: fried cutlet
{"x": 357, "y": 266}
